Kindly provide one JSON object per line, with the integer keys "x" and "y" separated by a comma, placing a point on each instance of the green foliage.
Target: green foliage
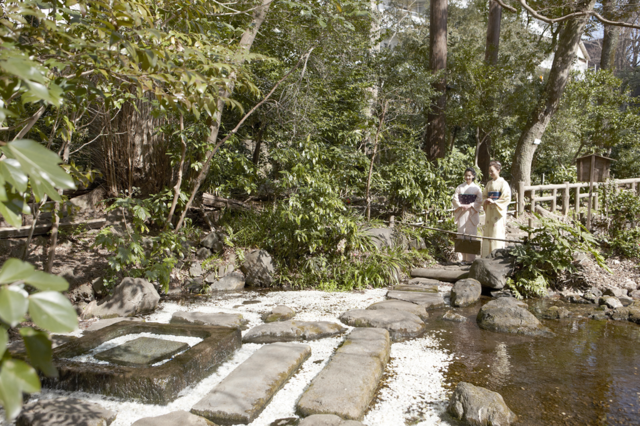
{"x": 143, "y": 247}
{"x": 620, "y": 225}
{"x": 25, "y": 292}
{"x": 550, "y": 250}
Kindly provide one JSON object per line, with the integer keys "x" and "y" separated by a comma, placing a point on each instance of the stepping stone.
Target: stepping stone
{"x": 465, "y": 292}
{"x": 218, "y": 318}
{"x": 424, "y": 281}
{"x": 400, "y": 305}
{"x": 347, "y": 384}
{"x": 450, "y": 275}
{"x": 279, "y": 313}
{"x": 65, "y": 412}
{"x": 508, "y": 315}
{"x": 452, "y": 316}
{"x": 182, "y": 418}
{"x": 289, "y": 331}
{"x": 400, "y": 325}
{"x": 142, "y": 351}
{"x": 107, "y": 322}
{"x": 327, "y": 420}
{"x": 230, "y": 282}
{"x": 428, "y": 299}
{"x": 244, "y": 393}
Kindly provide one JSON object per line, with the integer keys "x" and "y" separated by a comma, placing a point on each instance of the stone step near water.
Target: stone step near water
{"x": 327, "y": 420}
{"x": 244, "y": 393}
{"x": 289, "y": 331}
{"x": 426, "y": 296}
{"x": 450, "y": 274}
{"x": 219, "y": 318}
{"x": 401, "y": 325}
{"x": 401, "y": 305}
{"x": 347, "y": 384}
{"x": 64, "y": 412}
{"x": 177, "y": 418}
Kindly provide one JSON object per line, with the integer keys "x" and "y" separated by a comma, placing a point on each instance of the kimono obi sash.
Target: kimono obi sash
{"x": 494, "y": 195}
{"x": 467, "y": 198}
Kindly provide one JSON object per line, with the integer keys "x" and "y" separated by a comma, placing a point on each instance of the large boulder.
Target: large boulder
{"x": 213, "y": 242}
{"x": 279, "y": 313}
{"x": 465, "y": 292}
{"x": 492, "y": 272}
{"x": 230, "y": 282}
{"x": 634, "y": 312}
{"x": 478, "y": 406}
{"x": 133, "y": 296}
{"x": 65, "y": 412}
{"x": 382, "y": 237}
{"x": 401, "y": 325}
{"x": 258, "y": 268}
{"x": 507, "y": 315}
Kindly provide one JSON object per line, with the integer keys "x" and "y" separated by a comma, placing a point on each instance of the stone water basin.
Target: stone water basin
{"x": 140, "y": 376}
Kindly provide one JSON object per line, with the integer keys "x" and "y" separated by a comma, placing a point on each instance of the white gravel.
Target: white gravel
{"x": 413, "y": 392}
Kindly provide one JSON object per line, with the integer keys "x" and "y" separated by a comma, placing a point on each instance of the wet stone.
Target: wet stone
{"x": 465, "y": 292}
{"x": 219, "y": 319}
{"x": 611, "y": 302}
{"x": 244, "y": 393}
{"x": 425, "y": 282}
{"x": 327, "y": 420}
{"x": 508, "y": 315}
{"x": 449, "y": 275}
{"x": 142, "y": 351}
{"x": 452, "y": 316}
{"x": 64, "y": 412}
{"x": 400, "y": 325}
{"x": 478, "y": 406}
{"x": 289, "y": 331}
{"x": 400, "y": 305}
{"x": 420, "y": 288}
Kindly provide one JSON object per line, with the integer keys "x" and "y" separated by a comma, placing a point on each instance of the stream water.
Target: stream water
{"x": 589, "y": 374}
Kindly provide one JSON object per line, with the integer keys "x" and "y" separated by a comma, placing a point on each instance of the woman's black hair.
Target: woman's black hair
{"x": 472, "y": 170}
{"x": 495, "y": 164}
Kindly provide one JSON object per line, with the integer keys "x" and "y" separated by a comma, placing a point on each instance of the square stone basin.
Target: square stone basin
{"x": 142, "y": 351}
{"x": 145, "y": 383}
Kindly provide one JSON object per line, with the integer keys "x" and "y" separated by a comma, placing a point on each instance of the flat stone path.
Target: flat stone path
{"x": 177, "y": 418}
{"x": 400, "y": 305}
{"x": 427, "y": 299}
{"x": 347, "y": 384}
{"x": 244, "y": 393}
{"x": 289, "y": 331}
{"x": 219, "y": 319}
{"x": 327, "y": 420}
{"x": 449, "y": 275}
{"x": 401, "y": 325}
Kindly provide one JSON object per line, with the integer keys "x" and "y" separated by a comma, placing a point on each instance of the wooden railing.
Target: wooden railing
{"x": 564, "y": 192}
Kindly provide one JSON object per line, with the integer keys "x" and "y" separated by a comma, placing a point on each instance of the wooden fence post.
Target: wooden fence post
{"x": 577, "y": 201}
{"x": 520, "y": 197}
{"x": 565, "y": 200}
{"x": 553, "y": 202}
{"x": 533, "y": 201}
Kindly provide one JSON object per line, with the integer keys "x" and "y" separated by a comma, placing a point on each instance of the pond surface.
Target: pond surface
{"x": 589, "y": 374}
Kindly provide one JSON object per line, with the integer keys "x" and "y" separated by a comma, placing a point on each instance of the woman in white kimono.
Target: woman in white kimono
{"x": 467, "y": 202}
{"x": 497, "y": 196}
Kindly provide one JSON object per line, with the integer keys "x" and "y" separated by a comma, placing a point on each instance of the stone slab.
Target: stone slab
{"x": 290, "y": 331}
{"x": 279, "y": 313}
{"x": 425, "y": 281}
{"x": 177, "y": 418}
{"x": 244, "y": 393}
{"x": 419, "y": 288}
{"x": 148, "y": 384}
{"x": 218, "y": 318}
{"x": 347, "y": 384}
{"x": 107, "y": 322}
{"x": 428, "y": 300}
{"x": 327, "y": 420}
{"x": 401, "y": 305}
{"x": 142, "y": 351}
{"x": 64, "y": 412}
{"x": 449, "y": 275}
{"x": 401, "y": 325}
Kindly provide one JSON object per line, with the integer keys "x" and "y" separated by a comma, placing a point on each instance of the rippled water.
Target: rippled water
{"x": 589, "y": 374}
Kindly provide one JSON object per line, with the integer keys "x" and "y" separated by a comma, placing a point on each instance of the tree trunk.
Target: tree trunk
{"x": 259, "y": 136}
{"x": 259, "y": 15}
{"x": 435, "y": 136}
{"x": 483, "y": 148}
{"x": 610, "y": 38}
{"x": 564, "y": 57}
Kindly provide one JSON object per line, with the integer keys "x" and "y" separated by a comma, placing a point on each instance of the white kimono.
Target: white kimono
{"x": 467, "y": 219}
{"x": 495, "y": 225}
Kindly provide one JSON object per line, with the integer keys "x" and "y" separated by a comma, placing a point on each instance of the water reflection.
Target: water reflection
{"x": 587, "y": 374}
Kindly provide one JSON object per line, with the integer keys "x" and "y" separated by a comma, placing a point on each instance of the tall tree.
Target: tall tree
{"x": 610, "y": 37}
{"x": 435, "y": 135}
{"x": 568, "y": 40}
{"x": 483, "y": 149}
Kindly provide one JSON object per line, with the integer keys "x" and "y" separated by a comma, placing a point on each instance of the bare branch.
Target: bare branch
{"x": 34, "y": 118}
